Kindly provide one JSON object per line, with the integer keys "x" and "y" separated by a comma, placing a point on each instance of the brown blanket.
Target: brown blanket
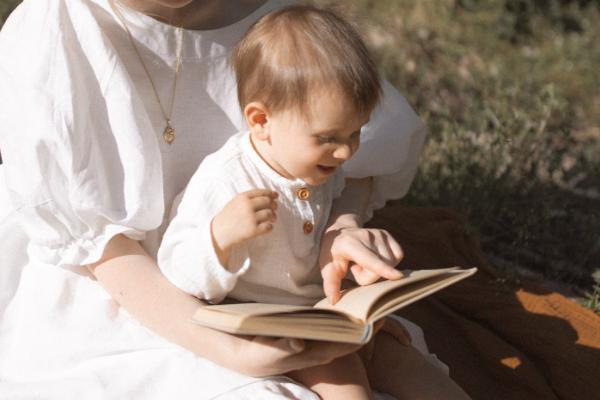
{"x": 500, "y": 341}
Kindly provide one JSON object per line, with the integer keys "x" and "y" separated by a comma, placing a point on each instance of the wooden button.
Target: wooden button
{"x": 303, "y": 193}
{"x": 307, "y": 227}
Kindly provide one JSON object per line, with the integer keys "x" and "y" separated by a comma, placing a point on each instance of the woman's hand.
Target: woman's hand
{"x": 390, "y": 327}
{"x": 368, "y": 253}
{"x": 265, "y": 356}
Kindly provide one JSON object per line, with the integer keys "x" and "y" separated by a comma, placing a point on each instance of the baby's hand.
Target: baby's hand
{"x": 368, "y": 253}
{"x": 246, "y": 216}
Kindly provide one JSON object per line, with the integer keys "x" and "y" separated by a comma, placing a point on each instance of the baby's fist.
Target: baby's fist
{"x": 247, "y": 215}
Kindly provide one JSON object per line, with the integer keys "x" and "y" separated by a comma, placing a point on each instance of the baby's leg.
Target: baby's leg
{"x": 343, "y": 378}
{"x": 403, "y": 372}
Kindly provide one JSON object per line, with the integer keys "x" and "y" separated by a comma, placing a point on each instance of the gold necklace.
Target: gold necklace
{"x": 168, "y": 132}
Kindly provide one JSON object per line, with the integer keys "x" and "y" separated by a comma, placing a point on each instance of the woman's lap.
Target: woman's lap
{"x": 61, "y": 333}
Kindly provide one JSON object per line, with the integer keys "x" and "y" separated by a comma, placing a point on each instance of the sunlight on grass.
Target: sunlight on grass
{"x": 511, "y": 104}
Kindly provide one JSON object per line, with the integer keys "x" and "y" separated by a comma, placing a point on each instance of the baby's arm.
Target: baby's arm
{"x": 247, "y": 215}
{"x": 202, "y": 251}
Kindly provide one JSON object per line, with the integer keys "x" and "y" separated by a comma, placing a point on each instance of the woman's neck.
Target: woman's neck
{"x": 196, "y": 14}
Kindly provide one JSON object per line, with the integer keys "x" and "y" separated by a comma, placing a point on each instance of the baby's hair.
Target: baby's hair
{"x": 296, "y": 49}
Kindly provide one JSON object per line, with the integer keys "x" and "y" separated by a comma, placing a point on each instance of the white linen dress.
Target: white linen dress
{"x": 84, "y": 160}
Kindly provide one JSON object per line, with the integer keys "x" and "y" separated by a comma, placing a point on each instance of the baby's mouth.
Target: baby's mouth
{"x": 326, "y": 169}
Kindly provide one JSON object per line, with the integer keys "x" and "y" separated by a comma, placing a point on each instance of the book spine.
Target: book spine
{"x": 368, "y": 332}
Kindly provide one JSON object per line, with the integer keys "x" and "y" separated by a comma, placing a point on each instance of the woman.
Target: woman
{"x": 107, "y": 109}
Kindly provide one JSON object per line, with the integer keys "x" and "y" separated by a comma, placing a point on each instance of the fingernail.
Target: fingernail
{"x": 296, "y": 345}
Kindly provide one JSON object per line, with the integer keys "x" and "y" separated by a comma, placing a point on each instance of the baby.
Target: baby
{"x": 249, "y": 223}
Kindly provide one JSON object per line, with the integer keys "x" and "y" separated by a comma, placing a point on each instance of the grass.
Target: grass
{"x": 510, "y": 93}
{"x": 592, "y": 300}
{"x": 6, "y": 6}
{"x": 510, "y": 99}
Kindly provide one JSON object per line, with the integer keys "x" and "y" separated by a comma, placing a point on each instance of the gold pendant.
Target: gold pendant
{"x": 169, "y": 134}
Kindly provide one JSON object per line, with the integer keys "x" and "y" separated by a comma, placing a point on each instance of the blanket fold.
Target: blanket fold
{"x": 501, "y": 340}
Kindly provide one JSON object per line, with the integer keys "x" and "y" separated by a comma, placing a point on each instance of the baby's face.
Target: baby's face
{"x": 312, "y": 148}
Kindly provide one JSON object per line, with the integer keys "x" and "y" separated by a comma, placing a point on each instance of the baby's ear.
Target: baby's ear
{"x": 257, "y": 117}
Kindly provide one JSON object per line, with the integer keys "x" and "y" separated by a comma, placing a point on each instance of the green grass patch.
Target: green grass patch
{"x": 510, "y": 97}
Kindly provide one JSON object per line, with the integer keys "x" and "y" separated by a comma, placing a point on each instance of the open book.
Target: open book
{"x": 349, "y": 320}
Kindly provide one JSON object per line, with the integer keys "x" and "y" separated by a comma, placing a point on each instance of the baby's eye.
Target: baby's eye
{"x": 326, "y": 139}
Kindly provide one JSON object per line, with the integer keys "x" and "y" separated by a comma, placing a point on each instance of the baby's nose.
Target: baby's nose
{"x": 343, "y": 152}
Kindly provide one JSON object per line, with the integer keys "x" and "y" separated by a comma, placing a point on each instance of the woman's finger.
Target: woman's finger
{"x": 395, "y": 328}
{"x": 367, "y": 351}
{"x": 280, "y": 355}
{"x": 378, "y": 325}
{"x": 287, "y": 346}
{"x": 270, "y": 356}
{"x": 283, "y": 345}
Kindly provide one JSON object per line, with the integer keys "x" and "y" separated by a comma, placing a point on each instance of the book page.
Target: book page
{"x": 282, "y": 321}
{"x": 240, "y": 313}
{"x": 253, "y": 309}
{"x": 358, "y": 301}
{"x": 348, "y": 321}
{"x": 403, "y": 296}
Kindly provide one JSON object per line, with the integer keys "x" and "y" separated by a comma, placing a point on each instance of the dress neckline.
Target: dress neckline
{"x": 160, "y": 36}
{"x": 140, "y": 19}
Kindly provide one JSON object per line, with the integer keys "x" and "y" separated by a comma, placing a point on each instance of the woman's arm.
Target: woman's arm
{"x": 134, "y": 280}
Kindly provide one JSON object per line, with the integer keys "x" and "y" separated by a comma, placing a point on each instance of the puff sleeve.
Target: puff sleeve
{"x": 81, "y": 162}
{"x": 389, "y": 151}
